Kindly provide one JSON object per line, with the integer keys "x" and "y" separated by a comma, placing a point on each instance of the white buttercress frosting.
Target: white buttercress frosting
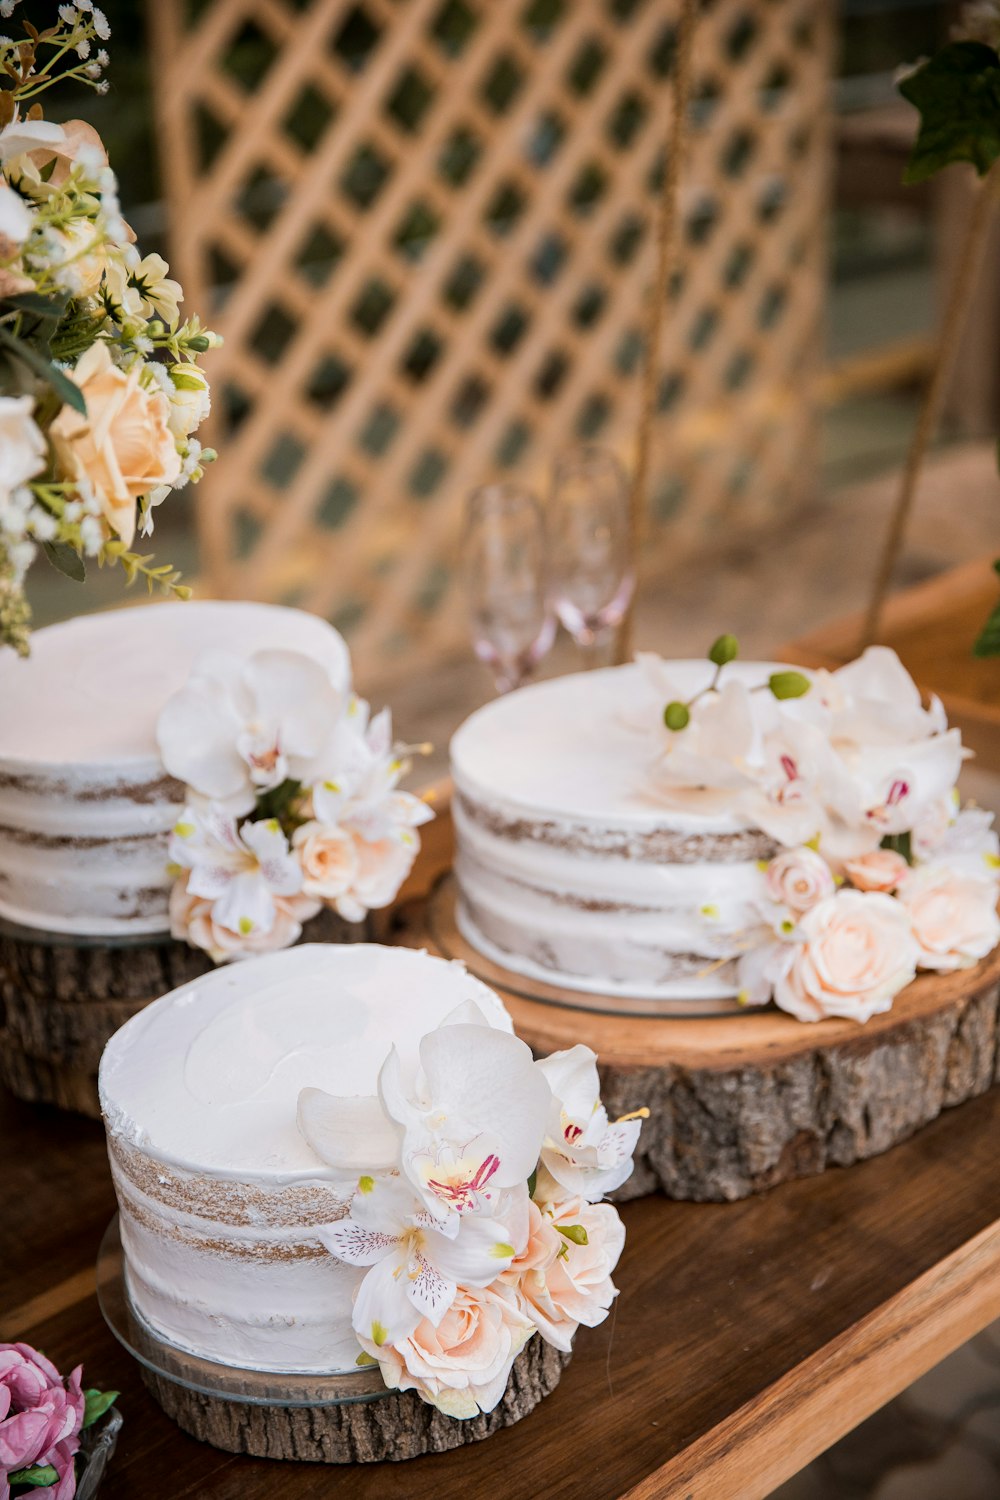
{"x": 570, "y": 867}
{"x": 217, "y": 1188}
{"x": 85, "y": 804}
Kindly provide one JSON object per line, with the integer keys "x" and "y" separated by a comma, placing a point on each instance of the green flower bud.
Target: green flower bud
{"x": 198, "y": 342}
{"x": 676, "y": 715}
{"x": 789, "y": 684}
{"x": 726, "y": 648}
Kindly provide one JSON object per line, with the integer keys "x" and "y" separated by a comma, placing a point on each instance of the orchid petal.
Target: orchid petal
{"x": 348, "y": 1131}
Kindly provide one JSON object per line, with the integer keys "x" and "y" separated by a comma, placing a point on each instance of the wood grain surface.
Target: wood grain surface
{"x": 747, "y": 1338}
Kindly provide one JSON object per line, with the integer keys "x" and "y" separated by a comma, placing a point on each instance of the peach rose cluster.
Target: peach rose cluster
{"x": 844, "y": 943}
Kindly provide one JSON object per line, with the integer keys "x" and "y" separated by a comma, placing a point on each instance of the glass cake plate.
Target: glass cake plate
{"x": 452, "y": 943}
{"x": 205, "y": 1376}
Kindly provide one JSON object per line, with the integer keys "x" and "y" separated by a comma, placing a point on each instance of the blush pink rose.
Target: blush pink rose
{"x": 563, "y": 1280}
{"x": 462, "y": 1366}
{"x": 954, "y": 917}
{"x": 799, "y": 878}
{"x": 878, "y": 870}
{"x": 191, "y": 921}
{"x": 329, "y": 859}
{"x": 383, "y": 865}
{"x": 857, "y": 953}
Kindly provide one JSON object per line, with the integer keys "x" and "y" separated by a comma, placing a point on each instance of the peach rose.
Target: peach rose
{"x": 799, "y": 878}
{"x": 954, "y": 917}
{"x": 191, "y": 921}
{"x": 462, "y": 1366}
{"x": 878, "y": 870}
{"x": 858, "y": 953}
{"x": 123, "y": 447}
{"x": 383, "y": 865}
{"x": 562, "y": 1278}
{"x": 329, "y": 860}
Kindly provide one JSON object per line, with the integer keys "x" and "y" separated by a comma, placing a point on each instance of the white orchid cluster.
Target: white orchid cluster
{"x": 293, "y": 802}
{"x": 100, "y": 388}
{"x": 476, "y": 1219}
{"x": 880, "y": 872}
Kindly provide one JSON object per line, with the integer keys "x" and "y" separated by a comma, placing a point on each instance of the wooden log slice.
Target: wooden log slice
{"x": 741, "y": 1103}
{"x": 395, "y": 1426}
{"x": 61, "y": 1000}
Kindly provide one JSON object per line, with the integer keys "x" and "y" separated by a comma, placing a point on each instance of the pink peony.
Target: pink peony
{"x": 954, "y": 917}
{"x": 563, "y": 1276}
{"x": 462, "y": 1366}
{"x": 858, "y": 952}
{"x": 878, "y": 870}
{"x": 40, "y": 1417}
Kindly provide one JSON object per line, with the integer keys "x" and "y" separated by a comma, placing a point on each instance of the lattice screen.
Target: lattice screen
{"x": 423, "y": 227}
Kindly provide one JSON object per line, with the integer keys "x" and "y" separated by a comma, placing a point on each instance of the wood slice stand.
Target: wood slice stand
{"x": 741, "y": 1103}
{"x": 63, "y": 997}
{"x": 391, "y": 1427}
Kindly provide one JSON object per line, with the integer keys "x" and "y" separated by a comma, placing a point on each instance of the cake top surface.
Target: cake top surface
{"x": 581, "y": 747}
{"x": 93, "y": 687}
{"x": 208, "y": 1077}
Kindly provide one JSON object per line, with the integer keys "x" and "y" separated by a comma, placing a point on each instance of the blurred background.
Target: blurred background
{"x": 424, "y": 228}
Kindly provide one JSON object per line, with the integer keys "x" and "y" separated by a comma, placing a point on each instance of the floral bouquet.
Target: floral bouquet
{"x": 879, "y": 871}
{"x": 41, "y": 1419}
{"x": 476, "y": 1222}
{"x": 100, "y": 389}
{"x": 293, "y": 803}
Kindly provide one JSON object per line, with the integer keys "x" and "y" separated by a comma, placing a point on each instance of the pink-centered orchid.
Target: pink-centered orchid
{"x": 416, "y": 1263}
{"x": 241, "y": 726}
{"x": 583, "y": 1152}
{"x": 240, "y": 870}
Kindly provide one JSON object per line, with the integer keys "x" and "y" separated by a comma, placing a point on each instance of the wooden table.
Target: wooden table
{"x": 748, "y": 1337}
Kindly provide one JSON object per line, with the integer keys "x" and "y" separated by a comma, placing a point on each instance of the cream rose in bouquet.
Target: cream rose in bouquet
{"x": 101, "y": 393}
{"x": 475, "y": 1222}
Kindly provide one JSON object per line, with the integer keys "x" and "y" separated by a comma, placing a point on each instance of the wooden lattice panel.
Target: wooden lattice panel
{"x": 424, "y": 228}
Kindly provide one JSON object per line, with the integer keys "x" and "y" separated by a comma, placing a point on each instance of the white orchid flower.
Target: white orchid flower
{"x": 240, "y": 726}
{"x": 240, "y": 870}
{"x": 969, "y": 845}
{"x": 417, "y": 1264}
{"x": 359, "y": 788}
{"x": 583, "y": 1152}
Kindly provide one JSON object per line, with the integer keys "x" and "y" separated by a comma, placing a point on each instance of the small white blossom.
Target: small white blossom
{"x": 101, "y": 24}
{"x": 91, "y": 535}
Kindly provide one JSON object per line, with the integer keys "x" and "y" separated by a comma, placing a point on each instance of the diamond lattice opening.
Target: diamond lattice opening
{"x": 328, "y": 381}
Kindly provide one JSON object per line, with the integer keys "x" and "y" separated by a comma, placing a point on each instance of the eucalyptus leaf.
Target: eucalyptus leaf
{"x": 958, "y": 95}
{"x": 65, "y": 559}
{"x": 67, "y": 390}
{"x": 96, "y": 1403}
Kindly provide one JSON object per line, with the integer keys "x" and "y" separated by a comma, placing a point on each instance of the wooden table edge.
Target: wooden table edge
{"x": 756, "y": 1448}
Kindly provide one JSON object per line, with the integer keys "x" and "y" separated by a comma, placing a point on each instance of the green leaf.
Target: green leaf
{"x": 279, "y": 801}
{"x": 37, "y": 1476}
{"x": 96, "y": 1403}
{"x": 987, "y": 642}
{"x": 532, "y": 1183}
{"x": 364, "y": 1359}
{"x": 725, "y": 649}
{"x": 50, "y": 308}
{"x": 789, "y": 684}
{"x": 958, "y": 95}
{"x": 899, "y": 843}
{"x": 67, "y": 390}
{"x": 65, "y": 559}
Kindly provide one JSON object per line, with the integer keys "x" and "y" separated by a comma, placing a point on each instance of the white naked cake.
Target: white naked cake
{"x": 86, "y": 806}
{"x": 720, "y": 829}
{"x": 322, "y": 1160}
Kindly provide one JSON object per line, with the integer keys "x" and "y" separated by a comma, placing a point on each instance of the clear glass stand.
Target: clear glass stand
{"x": 204, "y": 1376}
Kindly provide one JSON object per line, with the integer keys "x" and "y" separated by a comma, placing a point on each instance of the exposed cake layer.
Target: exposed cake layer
{"x": 569, "y": 870}
{"x": 85, "y": 805}
{"x": 219, "y": 1193}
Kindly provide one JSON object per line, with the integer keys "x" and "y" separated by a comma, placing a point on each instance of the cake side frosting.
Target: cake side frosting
{"x": 85, "y": 804}
{"x": 571, "y": 869}
{"x": 218, "y": 1190}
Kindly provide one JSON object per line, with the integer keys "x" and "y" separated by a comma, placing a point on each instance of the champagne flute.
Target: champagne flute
{"x": 504, "y": 561}
{"x": 590, "y": 555}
